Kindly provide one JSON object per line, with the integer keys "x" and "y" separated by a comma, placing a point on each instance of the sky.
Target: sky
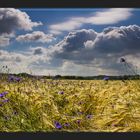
{"x": 82, "y": 42}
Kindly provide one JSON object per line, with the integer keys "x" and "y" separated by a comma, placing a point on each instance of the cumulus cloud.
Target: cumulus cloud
{"x": 88, "y": 44}
{"x": 110, "y": 16}
{"x": 37, "y": 50}
{"x": 83, "y": 52}
{"x": 12, "y": 19}
{"x": 24, "y": 61}
{"x": 36, "y": 36}
{"x": 99, "y": 50}
{"x": 4, "y": 41}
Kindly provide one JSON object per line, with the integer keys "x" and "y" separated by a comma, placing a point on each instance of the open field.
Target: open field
{"x": 32, "y": 104}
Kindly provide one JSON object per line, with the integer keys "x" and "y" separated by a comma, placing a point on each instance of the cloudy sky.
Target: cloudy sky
{"x": 69, "y": 41}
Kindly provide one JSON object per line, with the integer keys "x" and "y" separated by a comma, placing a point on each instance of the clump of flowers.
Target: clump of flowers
{"x": 14, "y": 79}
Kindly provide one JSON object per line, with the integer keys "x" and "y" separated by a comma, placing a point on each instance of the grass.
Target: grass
{"x": 77, "y": 105}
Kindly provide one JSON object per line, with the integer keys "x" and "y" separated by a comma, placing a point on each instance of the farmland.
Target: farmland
{"x": 35, "y": 104}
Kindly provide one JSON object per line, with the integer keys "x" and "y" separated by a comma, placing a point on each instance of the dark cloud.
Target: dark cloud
{"x": 12, "y": 19}
{"x": 38, "y": 51}
{"x": 75, "y": 40}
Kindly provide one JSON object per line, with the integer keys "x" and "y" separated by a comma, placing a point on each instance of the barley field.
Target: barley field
{"x": 33, "y": 104}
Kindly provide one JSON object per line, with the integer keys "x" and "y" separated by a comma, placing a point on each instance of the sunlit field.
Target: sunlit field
{"x": 34, "y": 104}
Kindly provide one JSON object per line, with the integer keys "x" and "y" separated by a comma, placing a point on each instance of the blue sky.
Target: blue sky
{"x": 46, "y": 41}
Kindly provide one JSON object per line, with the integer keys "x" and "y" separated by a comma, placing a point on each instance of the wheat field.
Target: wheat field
{"x": 33, "y": 104}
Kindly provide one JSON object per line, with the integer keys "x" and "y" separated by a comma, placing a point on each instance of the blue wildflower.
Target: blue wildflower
{"x": 11, "y": 78}
{"x": 78, "y": 121}
{"x": 106, "y": 78}
{"x": 61, "y": 92}
{"x": 67, "y": 124}
{"x": 14, "y": 79}
{"x": 17, "y": 79}
{"x": 58, "y": 125}
{"x": 89, "y": 116}
{"x": 5, "y": 101}
{"x": 3, "y": 94}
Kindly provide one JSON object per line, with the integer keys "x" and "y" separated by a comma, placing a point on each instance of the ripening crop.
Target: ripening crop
{"x": 37, "y": 104}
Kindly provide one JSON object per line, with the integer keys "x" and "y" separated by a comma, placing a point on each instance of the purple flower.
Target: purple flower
{"x": 89, "y": 116}
{"x": 78, "y": 121}
{"x": 11, "y": 78}
{"x": 58, "y": 125}
{"x": 61, "y": 92}
{"x": 106, "y": 78}
{"x": 3, "y": 94}
{"x": 5, "y": 101}
{"x": 67, "y": 124}
{"x": 17, "y": 79}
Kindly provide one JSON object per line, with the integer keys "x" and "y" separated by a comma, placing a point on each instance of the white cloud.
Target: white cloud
{"x": 99, "y": 50}
{"x": 82, "y": 52}
{"x": 65, "y": 26}
{"x": 36, "y": 36}
{"x": 88, "y": 44}
{"x": 4, "y": 41}
{"x": 12, "y": 20}
{"x": 110, "y": 16}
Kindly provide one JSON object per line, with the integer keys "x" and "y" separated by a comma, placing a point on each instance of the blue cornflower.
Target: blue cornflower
{"x": 78, "y": 121}
{"x": 58, "y": 125}
{"x": 106, "y": 78}
{"x": 5, "y": 101}
{"x": 61, "y": 92}
{"x": 11, "y": 78}
{"x": 14, "y": 79}
{"x": 66, "y": 124}
{"x": 89, "y": 116}
{"x": 3, "y": 94}
{"x": 17, "y": 79}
